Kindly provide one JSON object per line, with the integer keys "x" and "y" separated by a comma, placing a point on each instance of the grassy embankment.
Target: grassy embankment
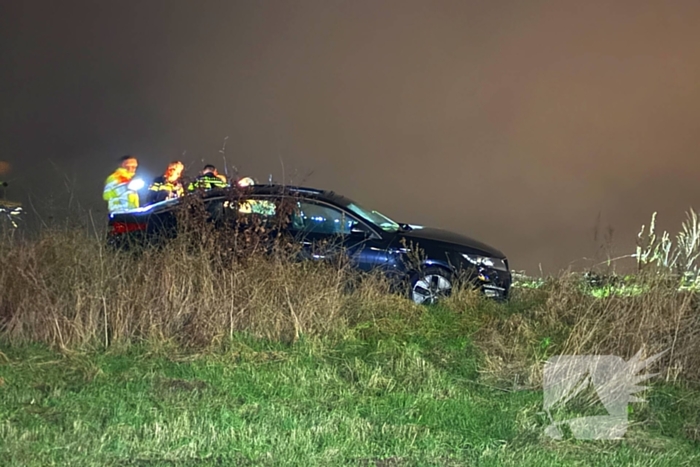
{"x": 188, "y": 357}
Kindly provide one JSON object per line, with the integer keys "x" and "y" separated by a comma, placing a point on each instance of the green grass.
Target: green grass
{"x": 392, "y": 393}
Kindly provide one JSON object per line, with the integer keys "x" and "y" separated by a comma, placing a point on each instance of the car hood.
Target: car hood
{"x": 458, "y": 241}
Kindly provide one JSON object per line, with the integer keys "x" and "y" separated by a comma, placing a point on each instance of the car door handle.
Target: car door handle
{"x": 314, "y": 256}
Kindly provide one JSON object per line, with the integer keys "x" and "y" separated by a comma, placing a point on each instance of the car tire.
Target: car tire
{"x": 431, "y": 285}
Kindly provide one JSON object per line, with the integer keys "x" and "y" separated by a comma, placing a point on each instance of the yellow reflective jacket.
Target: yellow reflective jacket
{"x": 117, "y": 194}
{"x": 207, "y": 182}
{"x": 161, "y": 189}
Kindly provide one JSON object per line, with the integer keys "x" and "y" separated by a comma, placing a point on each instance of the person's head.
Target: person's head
{"x": 246, "y": 181}
{"x": 210, "y": 169}
{"x": 130, "y": 163}
{"x": 174, "y": 171}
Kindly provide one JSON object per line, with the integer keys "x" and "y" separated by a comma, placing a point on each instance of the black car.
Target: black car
{"x": 372, "y": 240}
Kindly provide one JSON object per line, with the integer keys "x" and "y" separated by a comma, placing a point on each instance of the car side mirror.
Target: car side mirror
{"x": 359, "y": 230}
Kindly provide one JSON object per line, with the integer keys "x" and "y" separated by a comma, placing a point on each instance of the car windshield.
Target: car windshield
{"x": 374, "y": 217}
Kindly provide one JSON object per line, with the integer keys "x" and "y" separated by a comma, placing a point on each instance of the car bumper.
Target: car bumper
{"x": 495, "y": 283}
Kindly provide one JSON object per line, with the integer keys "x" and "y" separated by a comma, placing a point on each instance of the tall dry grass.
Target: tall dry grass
{"x": 68, "y": 290}
{"x": 563, "y": 320}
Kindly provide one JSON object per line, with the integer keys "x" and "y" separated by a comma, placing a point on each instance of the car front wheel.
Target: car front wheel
{"x": 431, "y": 285}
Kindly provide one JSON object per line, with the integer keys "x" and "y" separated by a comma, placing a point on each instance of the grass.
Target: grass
{"x": 210, "y": 352}
{"x": 411, "y": 397}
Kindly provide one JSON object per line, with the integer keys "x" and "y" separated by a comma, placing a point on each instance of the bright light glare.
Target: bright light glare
{"x": 136, "y": 184}
{"x": 477, "y": 260}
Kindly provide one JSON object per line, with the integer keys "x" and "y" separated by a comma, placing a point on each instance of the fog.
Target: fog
{"x": 523, "y": 124}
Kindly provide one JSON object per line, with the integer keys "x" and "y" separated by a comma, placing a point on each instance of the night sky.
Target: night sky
{"x": 522, "y": 123}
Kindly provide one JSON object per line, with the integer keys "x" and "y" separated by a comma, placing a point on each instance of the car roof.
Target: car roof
{"x": 277, "y": 189}
{"x": 267, "y": 189}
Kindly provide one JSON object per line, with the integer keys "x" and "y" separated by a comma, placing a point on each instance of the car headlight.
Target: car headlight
{"x": 495, "y": 263}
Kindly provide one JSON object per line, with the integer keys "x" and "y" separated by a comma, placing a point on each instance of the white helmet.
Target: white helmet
{"x": 246, "y": 181}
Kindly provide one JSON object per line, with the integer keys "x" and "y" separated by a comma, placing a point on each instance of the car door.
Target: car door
{"x": 325, "y": 230}
{"x": 246, "y": 212}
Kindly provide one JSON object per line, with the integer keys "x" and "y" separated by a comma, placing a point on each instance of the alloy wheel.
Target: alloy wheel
{"x": 430, "y": 288}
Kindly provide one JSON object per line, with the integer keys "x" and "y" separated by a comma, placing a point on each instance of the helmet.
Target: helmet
{"x": 246, "y": 181}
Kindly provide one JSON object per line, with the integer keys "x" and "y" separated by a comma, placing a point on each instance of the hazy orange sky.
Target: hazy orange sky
{"x": 519, "y": 123}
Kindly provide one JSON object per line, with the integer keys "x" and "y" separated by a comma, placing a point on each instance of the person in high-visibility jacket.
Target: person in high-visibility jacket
{"x": 116, "y": 191}
{"x": 208, "y": 179}
{"x": 168, "y": 185}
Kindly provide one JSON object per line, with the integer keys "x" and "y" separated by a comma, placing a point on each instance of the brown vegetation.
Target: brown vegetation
{"x": 68, "y": 290}
{"x": 564, "y": 320}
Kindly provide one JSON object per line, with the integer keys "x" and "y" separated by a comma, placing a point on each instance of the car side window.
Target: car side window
{"x": 253, "y": 206}
{"x": 250, "y": 211}
{"x": 319, "y": 218}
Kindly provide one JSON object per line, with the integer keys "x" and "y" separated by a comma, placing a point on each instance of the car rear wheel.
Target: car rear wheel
{"x": 431, "y": 285}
